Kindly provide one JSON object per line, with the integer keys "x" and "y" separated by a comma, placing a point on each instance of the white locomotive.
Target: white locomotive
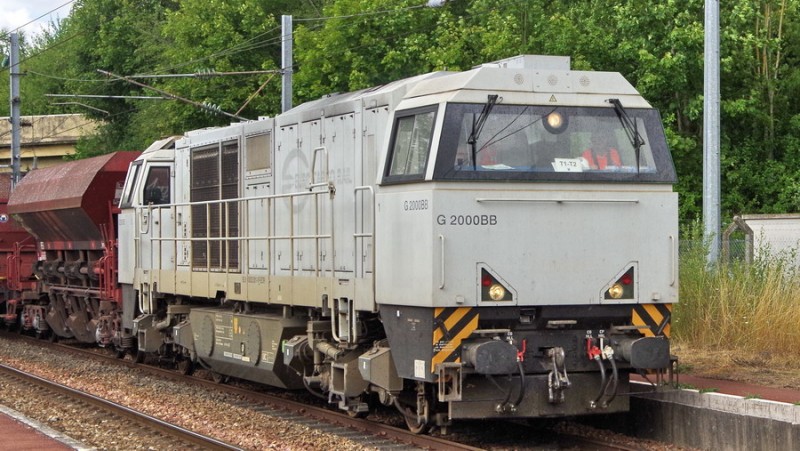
{"x": 494, "y": 243}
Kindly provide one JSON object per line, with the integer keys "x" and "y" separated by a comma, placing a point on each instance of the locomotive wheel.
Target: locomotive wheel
{"x": 185, "y": 367}
{"x": 424, "y": 409}
{"x": 119, "y": 352}
{"x": 354, "y": 414}
{"x": 218, "y": 378}
{"x": 413, "y": 425}
{"x": 364, "y": 398}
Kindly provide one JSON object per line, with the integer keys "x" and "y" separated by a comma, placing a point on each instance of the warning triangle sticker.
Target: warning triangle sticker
{"x": 553, "y": 99}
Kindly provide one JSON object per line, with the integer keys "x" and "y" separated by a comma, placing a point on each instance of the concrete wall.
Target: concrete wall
{"x": 48, "y": 138}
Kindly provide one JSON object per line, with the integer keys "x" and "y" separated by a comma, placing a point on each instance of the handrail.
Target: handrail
{"x": 441, "y": 283}
{"x": 312, "y": 183}
{"x": 672, "y": 253}
{"x": 183, "y": 239}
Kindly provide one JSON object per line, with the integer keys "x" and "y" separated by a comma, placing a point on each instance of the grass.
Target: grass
{"x": 751, "y": 311}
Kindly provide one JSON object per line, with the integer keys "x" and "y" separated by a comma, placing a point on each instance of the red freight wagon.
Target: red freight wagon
{"x": 17, "y": 257}
{"x": 71, "y": 211}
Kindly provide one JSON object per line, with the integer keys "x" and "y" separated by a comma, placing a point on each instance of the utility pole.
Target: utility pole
{"x": 15, "y": 109}
{"x": 711, "y": 158}
{"x": 286, "y": 63}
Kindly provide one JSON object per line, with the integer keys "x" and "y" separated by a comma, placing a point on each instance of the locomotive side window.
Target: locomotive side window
{"x": 411, "y": 144}
{"x": 156, "y": 186}
{"x": 130, "y": 184}
{"x": 519, "y": 142}
{"x": 258, "y": 152}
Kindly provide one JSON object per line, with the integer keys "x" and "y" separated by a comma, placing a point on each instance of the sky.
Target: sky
{"x": 17, "y": 13}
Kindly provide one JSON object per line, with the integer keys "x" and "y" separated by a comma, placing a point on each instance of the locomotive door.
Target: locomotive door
{"x": 157, "y": 244}
{"x": 289, "y": 162}
{"x": 341, "y": 132}
{"x": 374, "y": 125}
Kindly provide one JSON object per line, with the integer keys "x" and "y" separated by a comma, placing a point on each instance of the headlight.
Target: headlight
{"x": 555, "y": 122}
{"x": 624, "y": 287}
{"x": 616, "y": 291}
{"x": 497, "y": 292}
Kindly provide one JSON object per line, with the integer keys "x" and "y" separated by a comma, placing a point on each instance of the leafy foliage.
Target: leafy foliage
{"x": 344, "y": 45}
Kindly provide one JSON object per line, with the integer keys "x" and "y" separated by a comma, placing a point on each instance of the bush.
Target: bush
{"x": 739, "y": 307}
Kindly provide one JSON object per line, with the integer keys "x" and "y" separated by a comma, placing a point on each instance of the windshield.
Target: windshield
{"x": 518, "y": 142}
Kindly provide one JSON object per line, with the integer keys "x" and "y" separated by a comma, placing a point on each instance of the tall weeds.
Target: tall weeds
{"x": 739, "y": 307}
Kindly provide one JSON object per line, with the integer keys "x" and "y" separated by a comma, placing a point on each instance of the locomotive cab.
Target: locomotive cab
{"x": 146, "y": 245}
{"x": 534, "y": 212}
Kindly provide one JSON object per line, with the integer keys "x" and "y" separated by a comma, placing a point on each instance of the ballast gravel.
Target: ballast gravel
{"x": 208, "y": 413}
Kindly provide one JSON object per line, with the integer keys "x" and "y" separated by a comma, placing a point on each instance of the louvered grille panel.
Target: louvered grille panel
{"x": 215, "y": 176}
{"x": 230, "y": 190}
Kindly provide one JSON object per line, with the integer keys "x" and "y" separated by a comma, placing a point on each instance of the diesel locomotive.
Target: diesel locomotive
{"x": 494, "y": 243}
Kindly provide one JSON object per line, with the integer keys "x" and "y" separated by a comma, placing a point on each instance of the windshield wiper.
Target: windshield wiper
{"x": 631, "y": 128}
{"x": 477, "y": 126}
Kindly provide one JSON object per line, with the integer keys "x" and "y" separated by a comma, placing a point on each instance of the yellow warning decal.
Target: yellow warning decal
{"x": 654, "y": 317}
{"x": 451, "y": 325}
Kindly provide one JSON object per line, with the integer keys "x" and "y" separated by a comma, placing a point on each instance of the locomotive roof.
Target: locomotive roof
{"x": 336, "y": 104}
{"x": 548, "y": 84}
{"x": 523, "y": 74}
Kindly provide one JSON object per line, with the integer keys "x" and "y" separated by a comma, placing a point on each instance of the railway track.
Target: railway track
{"x": 366, "y": 432}
{"x": 359, "y": 430}
{"x": 169, "y": 435}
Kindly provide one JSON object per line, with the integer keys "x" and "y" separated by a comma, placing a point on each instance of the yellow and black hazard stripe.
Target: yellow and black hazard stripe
{"x": 654, "y": 317}
{"x": 451, "y": 325}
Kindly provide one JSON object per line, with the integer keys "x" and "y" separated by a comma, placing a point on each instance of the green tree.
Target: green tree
{"x": 361, "y": 43}
{"x": 121, "y": 37}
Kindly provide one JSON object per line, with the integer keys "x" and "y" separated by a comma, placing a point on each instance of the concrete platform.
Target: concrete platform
{"x": 716, "y": 421}
{"x": 23, "y": 434}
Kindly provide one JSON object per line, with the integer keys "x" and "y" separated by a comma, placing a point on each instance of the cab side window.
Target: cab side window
{"x": 411, "y": 145}
{"x": 130, "y": 184}
{"x": 156, "y": 187}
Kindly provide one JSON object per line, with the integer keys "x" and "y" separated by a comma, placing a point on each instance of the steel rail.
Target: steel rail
{"x": 170, "y": 430}
{"x": 278, "y": 403}
{"x": 324, "y": 415}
